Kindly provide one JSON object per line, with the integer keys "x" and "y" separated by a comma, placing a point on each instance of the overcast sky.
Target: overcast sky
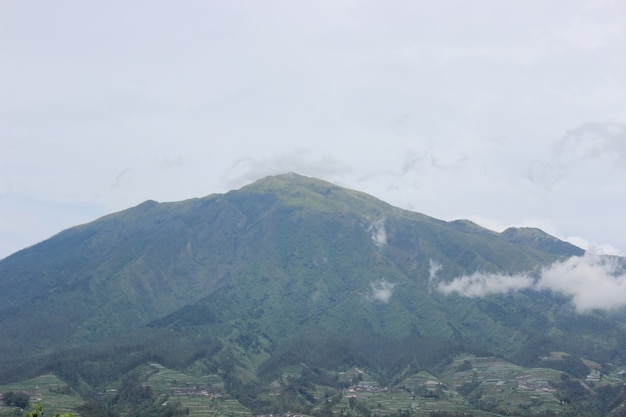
{"x": 508, "y": 113}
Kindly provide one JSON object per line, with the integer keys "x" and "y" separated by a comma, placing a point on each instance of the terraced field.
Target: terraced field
{"x": 46, "y": 389}
{"x": 504, "y": 385}
{"x": 203, "y": 395}
{"x": 468, "y": 384}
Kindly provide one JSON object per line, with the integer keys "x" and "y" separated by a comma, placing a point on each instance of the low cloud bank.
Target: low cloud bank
{"x": 480, "y": 284}
{"x": 592, "y": 281}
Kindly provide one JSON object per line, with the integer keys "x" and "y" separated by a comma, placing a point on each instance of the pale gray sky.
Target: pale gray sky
{"x": 503, "y": 112}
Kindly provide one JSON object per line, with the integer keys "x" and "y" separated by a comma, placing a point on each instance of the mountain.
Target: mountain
{"x": 287, "y": 271}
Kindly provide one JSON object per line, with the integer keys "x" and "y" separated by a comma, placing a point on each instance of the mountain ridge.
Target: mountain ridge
{"x": 142, "y": 229}
{"x": 288, "y": 271}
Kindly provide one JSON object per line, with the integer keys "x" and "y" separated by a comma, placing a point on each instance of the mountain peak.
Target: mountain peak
{"x": 538, "y": 239}
{"x": 299, "y": 190}
{"x": 287, "y": 271}
{"x": 282, "y": 181}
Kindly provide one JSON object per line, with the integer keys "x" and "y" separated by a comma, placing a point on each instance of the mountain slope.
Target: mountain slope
{"x": 285, "y": 271}
{"x": 135, "y": 266}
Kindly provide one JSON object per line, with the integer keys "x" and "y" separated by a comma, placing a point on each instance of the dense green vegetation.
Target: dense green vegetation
{"x": 279, "y": 290}
{"x": 16, "y": 399}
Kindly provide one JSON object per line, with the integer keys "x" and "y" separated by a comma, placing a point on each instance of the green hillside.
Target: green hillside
{"x": 287, "y": 272}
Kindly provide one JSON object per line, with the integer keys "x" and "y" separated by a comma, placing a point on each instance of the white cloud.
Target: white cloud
{"x": 600, "y": 249}
{"x": 300, "y": 160}
{"x": 379, "y": 235}
{"x": 433, "y": 268}
{"x": 480, "y": 284}
{"x": 381, "y": 291}
{"x": 592, "y": 145}
{"x": 592, "y": 281}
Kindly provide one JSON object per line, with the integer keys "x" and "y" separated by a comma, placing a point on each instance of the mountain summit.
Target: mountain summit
{"x": 286, "y": 271}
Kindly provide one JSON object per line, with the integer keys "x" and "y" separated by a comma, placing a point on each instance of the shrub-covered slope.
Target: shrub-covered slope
{"x": 285, "y": 271}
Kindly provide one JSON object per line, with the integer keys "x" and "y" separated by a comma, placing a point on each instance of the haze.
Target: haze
{"x": 506, "y": 113}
